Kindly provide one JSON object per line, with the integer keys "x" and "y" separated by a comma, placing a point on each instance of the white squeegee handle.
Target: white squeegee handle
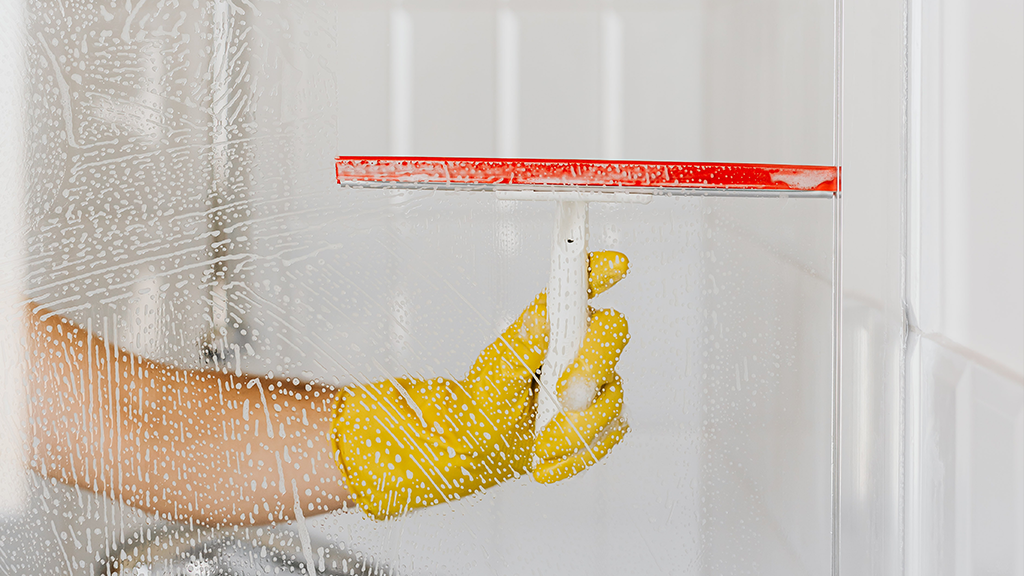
{"x": 566, "y": 303}
{"x": 567, "y": 290}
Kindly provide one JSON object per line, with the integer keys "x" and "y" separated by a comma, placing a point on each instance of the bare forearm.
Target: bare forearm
{"x": 183, "y": 443}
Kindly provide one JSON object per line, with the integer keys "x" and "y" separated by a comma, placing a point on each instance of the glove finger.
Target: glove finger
{"x": 520, "y": 350}
{"x": 605, "y": 269}
{"x": 570, "y": 432}
{"x": 506, "y": 368}
{"x": 549, "y": 472}
{"x": 607, "y": 335}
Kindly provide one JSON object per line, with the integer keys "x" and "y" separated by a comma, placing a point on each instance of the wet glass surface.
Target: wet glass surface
{"x": 173, "y": 200}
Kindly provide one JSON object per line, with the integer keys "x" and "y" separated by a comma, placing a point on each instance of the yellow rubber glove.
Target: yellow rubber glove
{"x": 406, "y": 443}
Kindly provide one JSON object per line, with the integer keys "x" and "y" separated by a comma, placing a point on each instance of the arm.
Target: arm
{"x": 197, "y": 444}
{"x": 220, "y": 449}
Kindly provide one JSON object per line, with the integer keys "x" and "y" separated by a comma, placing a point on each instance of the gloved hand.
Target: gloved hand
{"x": 405, "y": 443}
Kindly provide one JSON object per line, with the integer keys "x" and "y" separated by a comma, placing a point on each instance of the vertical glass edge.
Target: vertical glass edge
{"x": 837, "y": 287}
{"x": 909, "y": 393}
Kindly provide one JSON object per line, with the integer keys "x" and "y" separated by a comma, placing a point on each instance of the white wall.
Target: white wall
{"x": 965, "y": 289}
{"x": 935, "y": 185}
{"x": 969, "y": 178}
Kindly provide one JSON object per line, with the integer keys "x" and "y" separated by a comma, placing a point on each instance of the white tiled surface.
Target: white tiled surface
{"x": 968, "y": 458}
{"x": 965, "y": 365}
{"x": 925, "y": 506}
{"x": 967, "y": 263}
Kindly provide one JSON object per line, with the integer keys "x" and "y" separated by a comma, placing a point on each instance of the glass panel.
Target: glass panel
{"x": 190, "y": 265}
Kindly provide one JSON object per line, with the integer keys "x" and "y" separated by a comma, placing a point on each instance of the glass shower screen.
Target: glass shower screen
{"x": 194, "y": 269}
